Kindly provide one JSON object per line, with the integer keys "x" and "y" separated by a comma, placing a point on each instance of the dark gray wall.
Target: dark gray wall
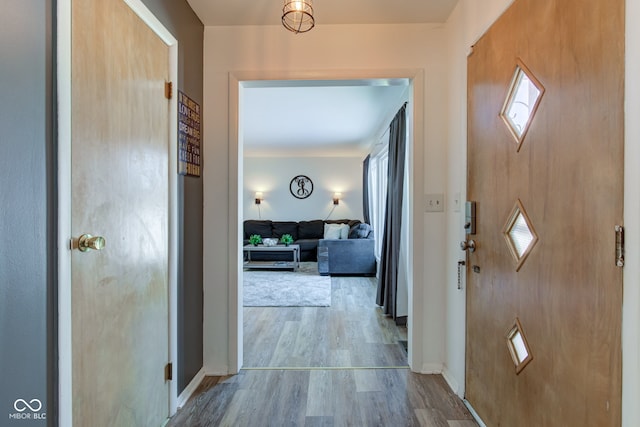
{"x": 179, "y": 19}
{"x": 26, "y": 264}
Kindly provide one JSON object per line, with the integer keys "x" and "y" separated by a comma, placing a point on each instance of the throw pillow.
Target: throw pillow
{"x": 332, "y": 231}
{"x": 344, "y": 231}
{"x": 360, "y": 231}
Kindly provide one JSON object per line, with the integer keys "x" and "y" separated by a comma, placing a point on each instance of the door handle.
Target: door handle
{"x": 468, "y": 245}
{"x": 87, "y": 242}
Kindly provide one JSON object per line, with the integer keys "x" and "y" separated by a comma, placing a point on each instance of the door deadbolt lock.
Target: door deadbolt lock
{"x": 87, "y": 242}
{"x": 468, "y": 245}
{"x": 470, "y": 217}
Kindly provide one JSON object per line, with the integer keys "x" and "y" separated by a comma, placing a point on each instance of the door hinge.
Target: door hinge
{"x": 168, "y": 372}
{"x": 619, "y": 246}
{"x": 168, "y": 90}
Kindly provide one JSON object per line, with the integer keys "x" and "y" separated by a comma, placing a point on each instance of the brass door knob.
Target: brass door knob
{"x": 87, "y": 241}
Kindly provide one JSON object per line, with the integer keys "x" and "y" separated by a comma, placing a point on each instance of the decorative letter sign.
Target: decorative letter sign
{"x": 188, "y": 136}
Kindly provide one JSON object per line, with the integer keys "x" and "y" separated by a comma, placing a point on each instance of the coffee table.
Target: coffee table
{"x": 293, "y": 264}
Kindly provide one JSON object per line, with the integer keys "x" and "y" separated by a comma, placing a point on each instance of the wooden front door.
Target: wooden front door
{"x": 120, "y": 134}
{"x": 549, "y": 194}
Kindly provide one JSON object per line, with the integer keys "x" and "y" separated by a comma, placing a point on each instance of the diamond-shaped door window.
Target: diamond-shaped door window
{"x": 518, "y": 346}
{"x": 519, "y": 234}
{"x": 522, "y": 102}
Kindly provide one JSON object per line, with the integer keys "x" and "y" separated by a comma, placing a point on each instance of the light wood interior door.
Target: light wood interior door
{"x": 120, "y": 134}
{"x": 566, "y": 177}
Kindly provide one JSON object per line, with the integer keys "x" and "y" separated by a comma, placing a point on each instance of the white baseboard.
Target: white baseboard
{"x": 190, "y": 388}
{"x": 221, "y": 372}
{"x": 453, "y": 382}
{"x": 474, "y": 413}
{"x": 431, "y": 368}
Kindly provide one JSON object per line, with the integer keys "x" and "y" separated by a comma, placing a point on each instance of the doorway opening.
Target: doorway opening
{"x": 239, "y": 82}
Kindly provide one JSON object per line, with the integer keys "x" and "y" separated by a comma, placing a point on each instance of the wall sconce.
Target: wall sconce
{"x": 336, "y": 198}
{"x": 259, "y": 197}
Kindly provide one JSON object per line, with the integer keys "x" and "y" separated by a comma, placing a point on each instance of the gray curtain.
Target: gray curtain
{"x": 388, "y": 283}
{"x": 366, "y": 213}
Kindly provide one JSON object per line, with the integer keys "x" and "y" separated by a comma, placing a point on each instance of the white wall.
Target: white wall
{"x": 272, "y": 175}
{"x": 366, "y": 49}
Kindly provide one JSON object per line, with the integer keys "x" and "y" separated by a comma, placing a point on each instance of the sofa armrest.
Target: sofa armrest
{"x": 347, "y": 256}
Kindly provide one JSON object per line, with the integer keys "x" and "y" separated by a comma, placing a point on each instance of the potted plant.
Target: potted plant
{"x": 255, "y": 239}
{"x": 286, "y": 239}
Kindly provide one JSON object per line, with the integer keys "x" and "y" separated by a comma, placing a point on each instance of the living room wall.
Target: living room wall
{"x": 271, "y": 176}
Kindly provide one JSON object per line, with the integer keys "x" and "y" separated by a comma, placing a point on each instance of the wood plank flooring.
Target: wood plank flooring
{"x": 352, "y": 332}
{"x": 342, "y": 365}
{"x": 336, "y": 397}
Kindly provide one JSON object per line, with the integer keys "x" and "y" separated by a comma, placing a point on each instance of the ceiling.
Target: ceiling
{"x": 315, "y": 118}
{"x": 261, "y": 12}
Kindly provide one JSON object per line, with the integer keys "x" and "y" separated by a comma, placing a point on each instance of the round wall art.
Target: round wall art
{"x": 301, "y": 187}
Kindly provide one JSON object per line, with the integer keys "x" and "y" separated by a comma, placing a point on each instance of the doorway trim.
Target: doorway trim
{"x": 64, "y": 86}
{"x": 415, "y": 155}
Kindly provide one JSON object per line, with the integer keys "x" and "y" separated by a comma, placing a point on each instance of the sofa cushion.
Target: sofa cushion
{"x": 260, "y": 227}
{"x": 285, "y": 227}
{"x": 311, "y": 229}
{"x": 307, "y": 244}
{"x": 360, "y": 231}
{"x": 349, "y": 256}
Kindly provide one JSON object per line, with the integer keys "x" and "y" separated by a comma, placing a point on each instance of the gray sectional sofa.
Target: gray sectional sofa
{"x": 352, "y": 256}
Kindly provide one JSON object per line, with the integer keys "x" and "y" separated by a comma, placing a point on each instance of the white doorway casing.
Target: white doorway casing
{"x": 415, "y": 190}
{"x": 342, "y": 52}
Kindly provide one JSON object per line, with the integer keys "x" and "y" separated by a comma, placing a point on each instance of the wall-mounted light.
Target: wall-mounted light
{"x": 259, "y": 197}
{"x": 336, "y": 198}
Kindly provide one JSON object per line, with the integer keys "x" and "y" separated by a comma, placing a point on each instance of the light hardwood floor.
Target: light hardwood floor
{"x": 352, "y": 332}
{"x": 343, "y": 365}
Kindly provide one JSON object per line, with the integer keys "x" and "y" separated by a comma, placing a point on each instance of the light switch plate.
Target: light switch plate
{"x": 434, "y": 202}
{"x": 456, "y": 202}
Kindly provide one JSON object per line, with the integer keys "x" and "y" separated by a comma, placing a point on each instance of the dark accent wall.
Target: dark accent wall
{"x": 27, "y": 234}
{"x": 179, "y": 19}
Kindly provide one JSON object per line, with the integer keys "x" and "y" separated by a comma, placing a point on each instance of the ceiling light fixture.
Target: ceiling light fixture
{"x": 297, "y": 15}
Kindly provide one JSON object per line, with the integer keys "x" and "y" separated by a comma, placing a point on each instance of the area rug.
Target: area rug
{"x": 286, "y": 288}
